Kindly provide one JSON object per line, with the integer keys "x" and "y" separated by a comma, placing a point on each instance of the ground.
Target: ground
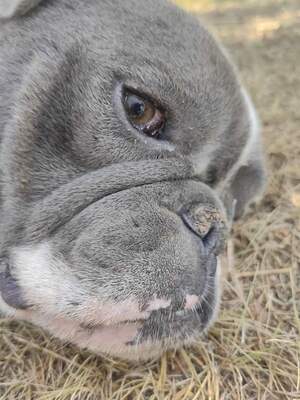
{"x": 253, "y": 351}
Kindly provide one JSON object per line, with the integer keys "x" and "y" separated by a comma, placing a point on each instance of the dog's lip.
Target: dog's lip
{"x": 11, "y": 294}
{"x": 131, "y": 332}
{"x": 177, "y": 315}
{"x": 99, "y": 325}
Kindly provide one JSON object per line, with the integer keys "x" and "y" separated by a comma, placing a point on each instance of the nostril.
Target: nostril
{"x": 210, "y": 233}
{"x": 201, "y": 228}
{"x": 211, "y": 240}
{"x": 191, "y": 225}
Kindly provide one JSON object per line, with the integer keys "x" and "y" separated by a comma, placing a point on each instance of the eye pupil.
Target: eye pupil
{"x": 136, "y": 106}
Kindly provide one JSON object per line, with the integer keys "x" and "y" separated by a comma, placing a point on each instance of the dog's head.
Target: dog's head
{"x": 128, "y": 146}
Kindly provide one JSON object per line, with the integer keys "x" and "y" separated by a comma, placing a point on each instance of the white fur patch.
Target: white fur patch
{"x": 44, "y": 278}
{"x": 191, "y": 300}
{"x": 8, "y": 8}
{"x": 254, "y": 128}
{"x": 49, "y": 283}
{"x": 107, "y": 339}
{"x": 253, "y": 142}
{"x": 202, "y": 160}
{"x": 157, "y": 303}
{"x": 113, "y": 312}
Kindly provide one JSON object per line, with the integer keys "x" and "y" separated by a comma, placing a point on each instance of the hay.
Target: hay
{"x": 253, "y": 351}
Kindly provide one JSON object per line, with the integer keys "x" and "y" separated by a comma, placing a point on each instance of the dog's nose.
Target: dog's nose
{"x": 208, "y": 224}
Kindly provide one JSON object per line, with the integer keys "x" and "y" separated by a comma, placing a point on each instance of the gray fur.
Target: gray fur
{"x": 81, "y": 186}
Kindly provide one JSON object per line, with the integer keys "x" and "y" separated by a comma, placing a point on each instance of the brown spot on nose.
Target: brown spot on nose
{"x": 208, "y": 223}
{"x": 203, "y": 217}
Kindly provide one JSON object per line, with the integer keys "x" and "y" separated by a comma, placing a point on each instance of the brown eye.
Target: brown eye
{"x": 143, "y": 114}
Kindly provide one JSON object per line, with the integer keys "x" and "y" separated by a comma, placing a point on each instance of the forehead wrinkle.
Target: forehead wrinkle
{"x": 167, "y": 84}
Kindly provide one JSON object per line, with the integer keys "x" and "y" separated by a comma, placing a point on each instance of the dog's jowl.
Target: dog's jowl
{"x": 127, "y": 147}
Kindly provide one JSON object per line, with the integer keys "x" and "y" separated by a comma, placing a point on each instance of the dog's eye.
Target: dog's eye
{"x": 143, "y": 114}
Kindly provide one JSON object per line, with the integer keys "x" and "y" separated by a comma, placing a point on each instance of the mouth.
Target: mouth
{"x": 170, "y": 328}
{"x": 136, "y": 338}
{"x": 132, "y": 338}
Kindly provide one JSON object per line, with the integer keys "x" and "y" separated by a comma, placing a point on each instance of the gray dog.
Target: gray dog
{"x": 127, "y": 145}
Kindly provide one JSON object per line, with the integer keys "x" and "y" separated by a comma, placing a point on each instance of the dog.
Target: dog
{"x": 127, "y": 146}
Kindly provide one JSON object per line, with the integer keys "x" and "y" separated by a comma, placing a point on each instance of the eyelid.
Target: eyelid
{"x": 143, "y": 95}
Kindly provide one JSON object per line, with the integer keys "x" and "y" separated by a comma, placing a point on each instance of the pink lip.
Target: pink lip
{"x": 114, "y": 335}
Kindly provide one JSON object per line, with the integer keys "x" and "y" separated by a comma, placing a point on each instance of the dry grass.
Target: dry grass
{"x": 253, "y": 351}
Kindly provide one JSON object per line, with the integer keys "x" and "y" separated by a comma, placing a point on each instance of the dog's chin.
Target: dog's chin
{"x": 118, "y": 340}
{"x": 136, "y": 340}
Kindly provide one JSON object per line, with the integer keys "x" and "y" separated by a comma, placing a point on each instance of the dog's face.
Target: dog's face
{"x": 128, "y": 143}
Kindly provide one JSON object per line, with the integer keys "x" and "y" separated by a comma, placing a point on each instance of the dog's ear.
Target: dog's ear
{"x": 12, "y": 8}
{"x": 247, "y": 185}
{"x": 247, "y": 182}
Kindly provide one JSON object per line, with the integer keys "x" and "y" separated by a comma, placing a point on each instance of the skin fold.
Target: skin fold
{"x": 111, "y": 238}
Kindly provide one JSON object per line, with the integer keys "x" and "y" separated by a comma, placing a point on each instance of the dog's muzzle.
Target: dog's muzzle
{"x": 138, "y": 263}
